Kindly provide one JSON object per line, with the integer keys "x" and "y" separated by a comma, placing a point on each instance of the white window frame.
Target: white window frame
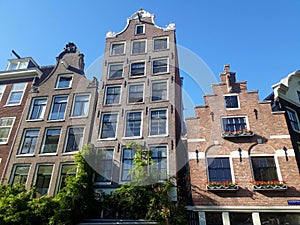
{"x": 167, "y": 157}
{"x": 156, "y": 59}
{"x": 36, "y": 173}
{"x": 139, "y": 75}
{"x": 67, "y": 139}
{"x": 109, "y": 69}
{"x": 32, "y": 107}
{"x": 159, "y": 38}
{"x": 238, "y": 101}
{"x": 111, "y": 49}
{"x": 3, "y": 90}
{"x": 297, "y": 118}
{"x": 13, "y": 91}
{"x": 12, "y": 176}
{"x": 105, "y": 97}
{"x": 8, "y": 136}
{"x": 220, "y": 156}
{"x": 23, "y": 139}
{"x": 112, "y": 168}
{"x": 136, "y": 41}
{"x": 44, "y": 140}
{"x": 236, "y": 116}
{"x": 160, "y": 81}
{"x": 101, "y": 125}
{"x": 122, "y": 166}
{"x": 135, "y": 84}
{"x": 141, "y": 127}
{"x": 59, "y": 181}
{"x": 52, "y": 105}
{"x": 167, "y": 119}
{"x": 74, "y": 103}
{"x": 17, "y": 63}
{"x": 136, "y": 28}
{"x": 58, "y": 81}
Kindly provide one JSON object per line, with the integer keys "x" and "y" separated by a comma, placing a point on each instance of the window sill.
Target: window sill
{"x": 270, "y": 188}
{"x": 158, "y": 135}
{"x": 107, "y": 139}
{"x": 134, "y": 137}
{"x": 24, "y": 155}
{"x": 140, "y": 53}
{"x": 48, "y": 154}
{"x": 112, "y": 105}
{"x": 229, "y": 109}
{"x": 10, "y": 105}
{"x": 162, "y": 49}
{"x": 161, "y": 73}
{"x": 115, "y": 78}
{"x": 237, "y": 135}
{"x": 53, "y": 121}
{"x": 136, "y": 76}
{"x": 3, "y": 143}
{"x": 136, "y": 103}
{"x": 64, "y": 88}
{"x": 78, "y": 117}
{"x": 158, "y": 101}
{"x": 117, "y": 54}
{"x": 70, "y": 153}
{"x": 34, "y": 120}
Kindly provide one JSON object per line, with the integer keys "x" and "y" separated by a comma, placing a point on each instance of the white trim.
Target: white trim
{"x": 238, "y": 102}
{"x": 12, "y": 175}
{"x": 297, "y": 118}
{"x": 281, "y": 153}
{"x": 235, "y": 116}
{"x": 52, "y": 105}
{"x": 105, "y": 96}
{"x": 101, "y": 124}
{"x": 139, "y": 75}
{"x": 36, "y": 173}
{"x": 220, "y": 156}
{"x": 162, "y": 58}
{"x": 73, "y": 105}
{"x": 44, "y": 139}
{"x": 139, "y": 25}
{"x": 112, "y": 168}
{"x": 151, "y": 89}
{"x": 4, "y": 87}
{"x": 117, "y": 43}
{"x": 13, "y": 91}
{"x": 128, "y": 92}
{"x": 167, "y": 122}
{"x": 192, "y": 140}
{"x": 192, "y": 155}
{"x": 167, "y": 157}
{"x": 12, "y": 124}
{"x": 23, "y": 139}
{"x": 67, "y": 139}
{"x": 32, "y": 106}
{"x": 236, "y": 154}
{"x": 109, "y": 68}
{"x": 58, "y": 81}
{"x": 158, "y": 38}
{"x": 141, "y": 126}
{"x": 58, "y": 181}
{"x": 279, "y": 136}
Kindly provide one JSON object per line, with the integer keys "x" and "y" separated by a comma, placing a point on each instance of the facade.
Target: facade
{"x": 57, "y": 121}
{"x": 286, "y": 97}
{"x": 15, "y": 83}
{"x": 243, "y": 168}
{"x": 139, "y": 101}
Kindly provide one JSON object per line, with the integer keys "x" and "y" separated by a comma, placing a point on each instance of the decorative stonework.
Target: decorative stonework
{"x": 171, "y": 26}
{"x": 110, "y": 34}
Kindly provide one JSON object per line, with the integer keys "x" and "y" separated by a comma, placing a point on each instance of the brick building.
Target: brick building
{"x": 15, "y": 83}
{"x": 56, "y": 122}
{"x": 139, "y": 101}
{"x": 233, "y": 141}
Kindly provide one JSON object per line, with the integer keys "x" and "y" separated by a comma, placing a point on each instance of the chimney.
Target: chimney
{"x": 226, "y": 72}
{"x": 228, "y": 77}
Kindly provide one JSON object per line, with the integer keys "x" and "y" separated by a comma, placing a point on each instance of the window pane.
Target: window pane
{"x": 59, "y": 108}
{"x": 264, "y": 168}
{"x": 5, "y": 128}
{"x": 160, "y": 66}
{"x": 127, "y": 163}
{"x": 158, "y": 122}
{"x": 231, "y": 102}
{"x": 136, "y": 93}
{"x": 43, "y": 178}
{"x": 68, "y": 170}
{"x": 15, "y": 98}
{"x": 213, "y": 218}
{"x": 38, "y": 108}
{"x": 160, "y": 43}
{"x": 64, "y": 81}
{"x": 137, "y": 69}
{"x": 2, "y": 88}
{"x": 104, "y": 165}
{"x": 159, "y": 91}
{"x": 234, "y": 124}
{"x": 20, "y": 174}
{"x": 29, "y": 141}
{"x": 133, "y": 124}
{"x": 113, "y": 94}
{"x": 138, "y": 47}
{"x": 139, "y": 29}
{"x": 81, "y": 105}
{"x": 293, "y": 119}
{"x": 18, "y": 87}
{"x": 74, "y": 139}
{"x": 115, "y": 71}
{"x": 117, "y": 49}
{"x": 109, "y": 125}
{"x": 241, "y": 219}
{"x": 159, "y": 166}
{"x": 219, "y": 169}
{"x": 51, "y": 141}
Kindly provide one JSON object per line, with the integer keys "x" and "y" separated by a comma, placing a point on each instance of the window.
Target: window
{"x": 17, "y": 65}
{"x": 234, "y": 124}
{"x": 231, "y": 102}
{"x": 115, "y": 70}
{"x": 133, "y": 124}
{"x": 2, "y": 89}
{"x": 38, "y": 107}
{"x": 16, "y": 94}
{"x": 127, "y": 163}
{"x": 20, "y": 174}
{"x": 43, "y": 178}
{"x": 160, "y": 66}
{"x": 219, "y": 169}
{"x": 158, "y": 122}
{"x": 81, "y": 106}
{"x": 159, "y": 91}
{"x": 6, "y": 124}
{"x": 298, "y": 94}
{"x": 136, "y": 93}
{"x": 139, "y": 29}
{"x": 264, "y": 168}
{"x": 30, "y": 138}
{"x": 138, "y": 47}
{"x": 117, "y": 48}
{"x": 108, "y": 125}
{"x": 64, "y": 81}
{"x": 159, "y": 157}
{"x": 137, "y": 69}
{"x": 293, "y": 119}
{"x": 160, "y": 43}
{"x": 58, "y": 108}
{"x": 104, "y": 165}
{"x": 113, "y": 94}
{"x": 66, "y": 170}
{"x": 74, "y": 139}
{"x": 51, "y": 141}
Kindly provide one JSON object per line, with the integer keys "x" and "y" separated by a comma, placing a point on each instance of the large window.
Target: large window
{"x": 160, "y": 66}
{"x": 64, "y": 81}
{"x": 38, "y": 107}
{"x": 292, "y": 115}
{"x": 138, "y": 47}
{"x": 80, "y": 105}
{"x": 234, "y": 124}
{"x": 137, "y": 69}
{"x": 2, "y": 89}
{"x": 136, "y": 93}
{"x": 159, "y": 158}
{"x": 74, "y": 139}
{"x": 133, "y": 124}
{"x": 20, "y": 174}
{"x": 219, "y": 169}
{"x": 51, "y": 141}
{"x": 30, "y": 138}
{"x": 43, "y": 178}
{"x": 105, "y": 165}
{"x": 127, "y": 164}
{"x": 66, "y": 170}
{"x": 158, "y": 122}
{"x": 231, "y": 101}
{"x": 16, "y": 94}
{"x": 108, "y": 125}
{"x": 113, "y": 94}
{"x": 117, "y": 48}
{"x": 159, "y": 91}
{"x": 59, "y": 105}
{"x": 160, "y": 43}
{"x": 115, "y": 70}
{"x": 6, "y": 124}
{"x": 264, "y": 168}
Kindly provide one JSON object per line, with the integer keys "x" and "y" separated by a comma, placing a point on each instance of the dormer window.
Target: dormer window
{"x": 231, "y": 102}
{"x": 19, "y": 65}
{"x": 140, "y": 29}
{"x": 64, "y": 81}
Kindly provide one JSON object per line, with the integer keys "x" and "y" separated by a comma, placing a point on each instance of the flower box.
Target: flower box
{"x": 269, "y": 185}
{"x": 221, "y": 186}
{"x": 238, "y": 133}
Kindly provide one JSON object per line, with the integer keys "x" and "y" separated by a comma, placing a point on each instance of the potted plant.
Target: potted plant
{"x": 221, "y": 185}
{"x": 269, "y": 185}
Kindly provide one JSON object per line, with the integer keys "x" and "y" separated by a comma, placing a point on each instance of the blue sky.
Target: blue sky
{"x": 259, "y": 39}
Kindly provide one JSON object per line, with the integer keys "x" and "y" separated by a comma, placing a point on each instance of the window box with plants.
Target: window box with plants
{"x": 222, "y": 186}
{"x": 273, "y": 185}
{"x": 238, "y": 133}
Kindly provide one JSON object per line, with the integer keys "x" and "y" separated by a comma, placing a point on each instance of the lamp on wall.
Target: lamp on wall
{"x": 240, "y": 153}
{"x": 286, "y": 154}
{"x": 197, "y": 155}
{"x": 212, "y": 116}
